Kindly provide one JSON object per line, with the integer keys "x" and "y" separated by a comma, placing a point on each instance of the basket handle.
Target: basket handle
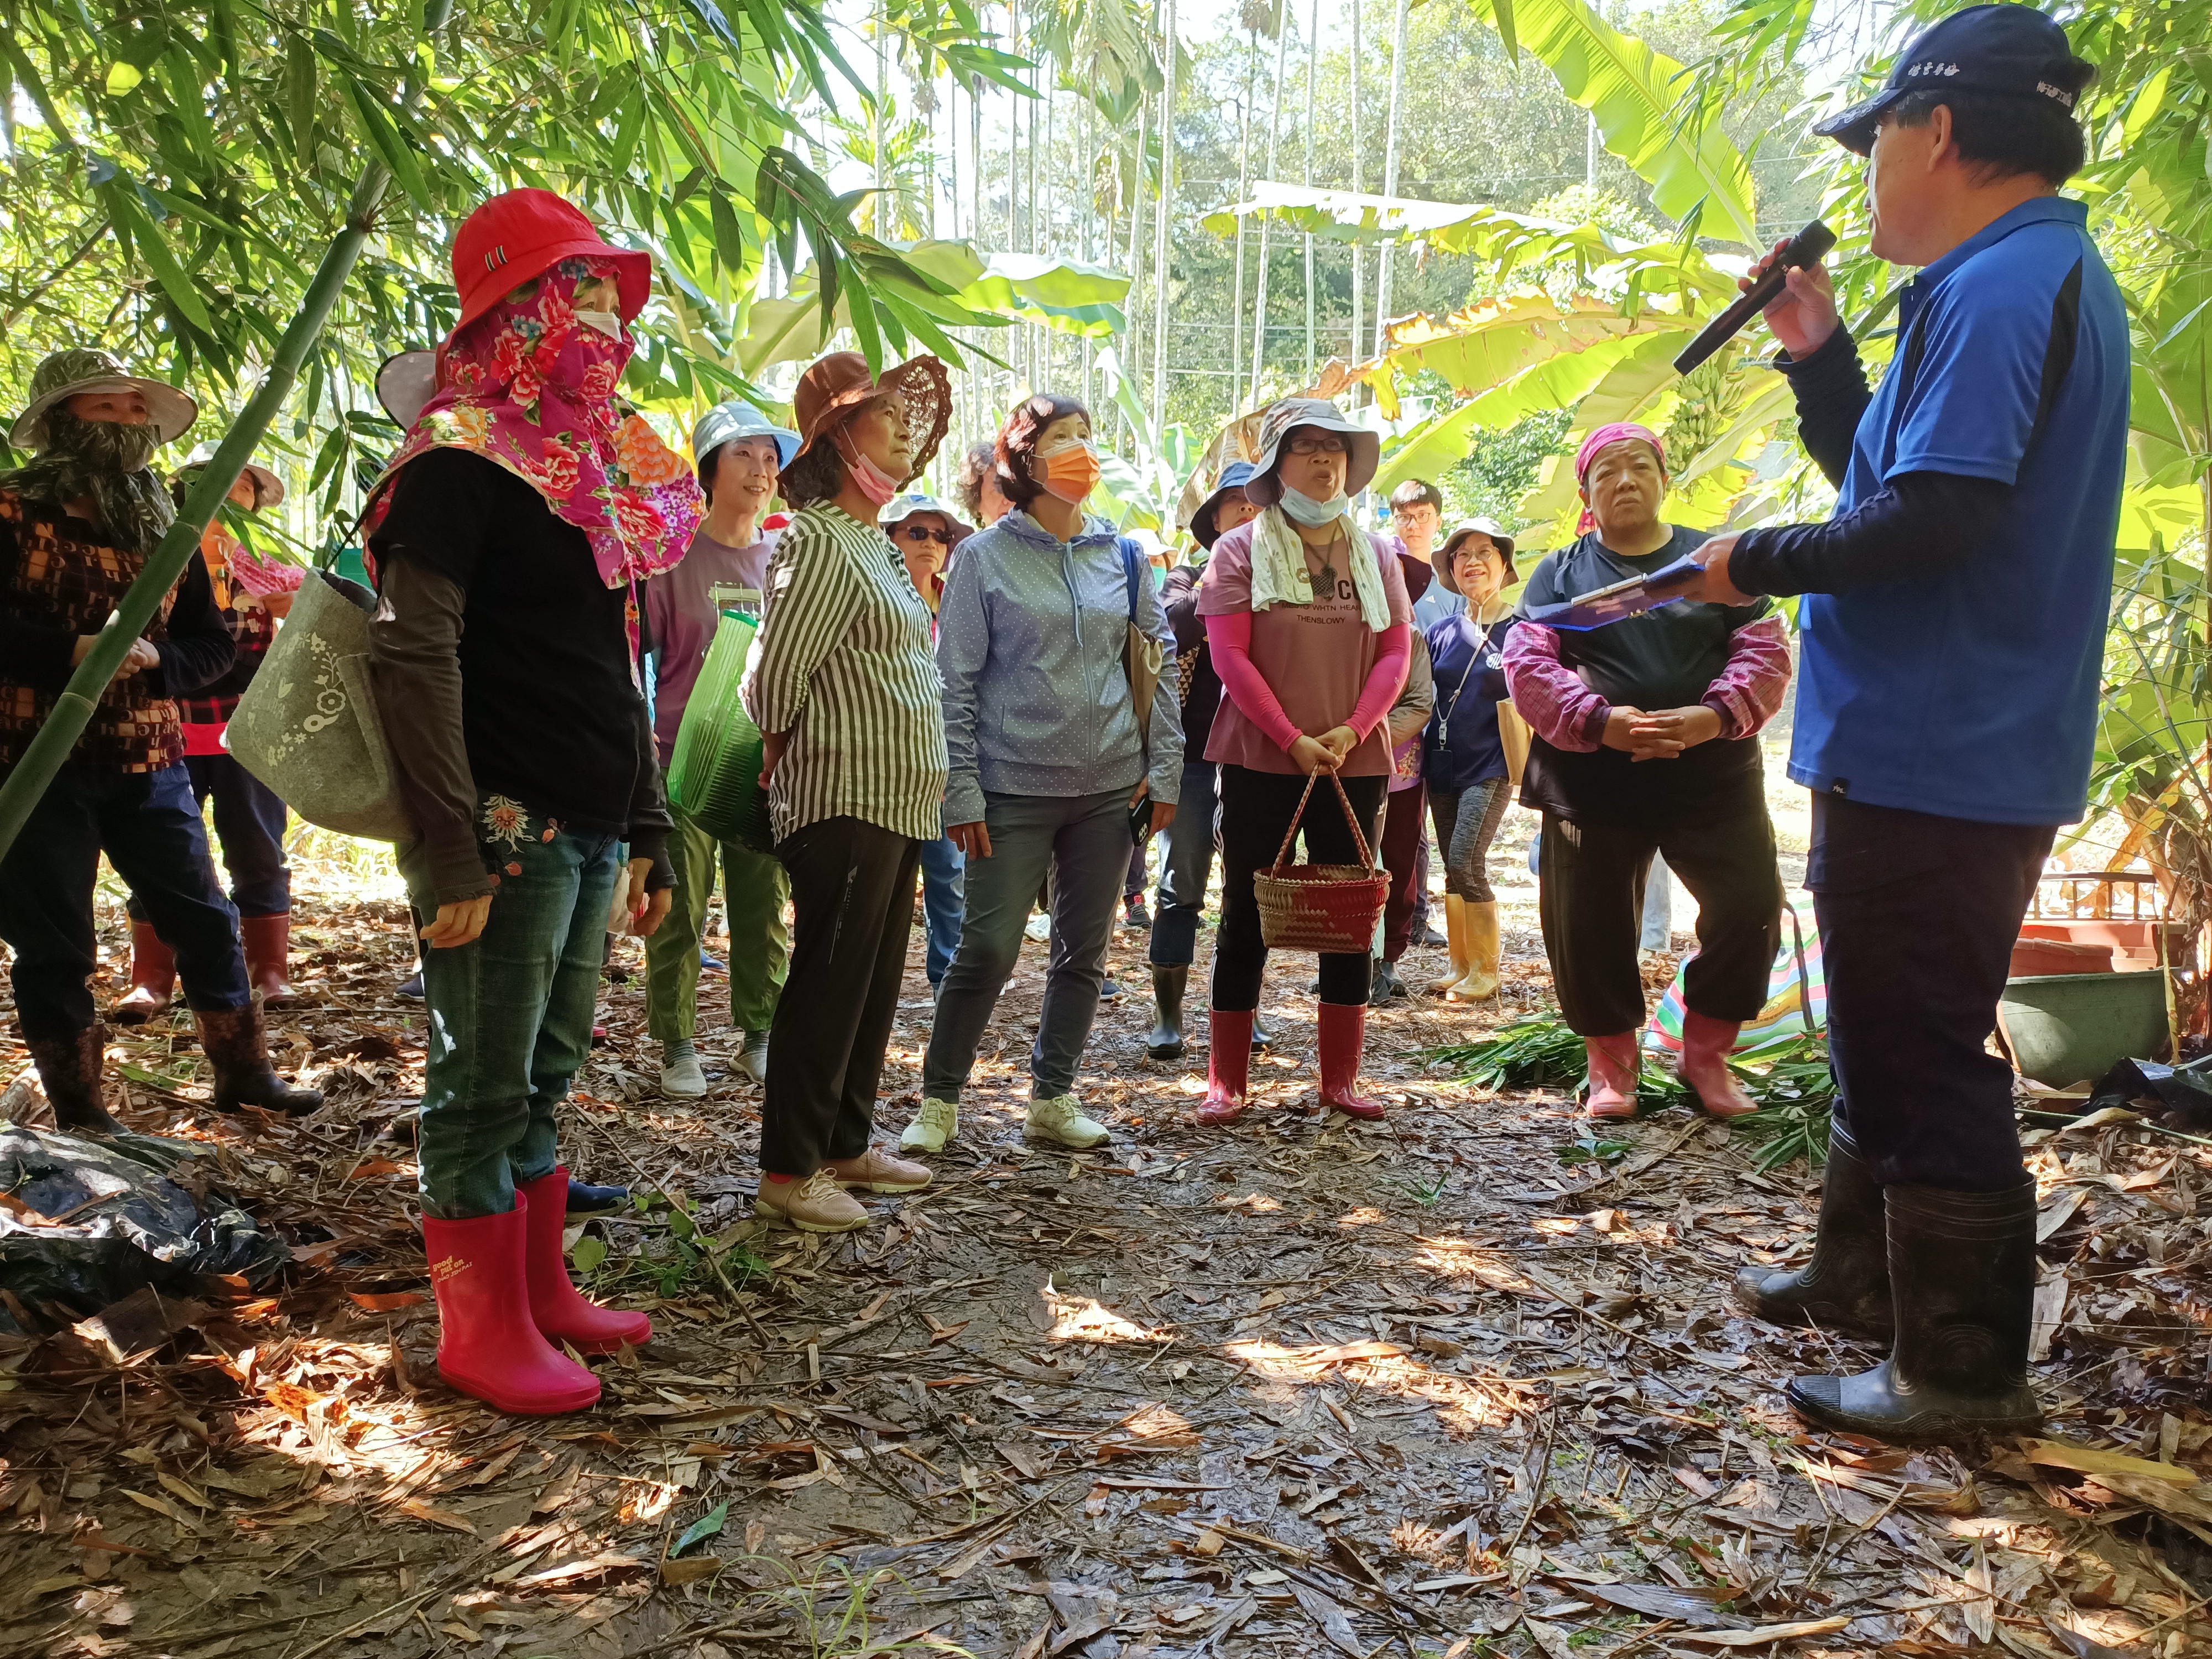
{"x": 1358, "y": 839}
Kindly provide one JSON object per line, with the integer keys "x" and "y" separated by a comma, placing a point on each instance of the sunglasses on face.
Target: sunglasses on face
{"x": 920, "y": 533}
{"x": 1317, "y": 445}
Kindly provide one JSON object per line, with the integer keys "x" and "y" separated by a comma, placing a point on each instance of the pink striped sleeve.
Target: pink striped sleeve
{"x": 1748, "y": 690}
{"x": 1550, "y": 695}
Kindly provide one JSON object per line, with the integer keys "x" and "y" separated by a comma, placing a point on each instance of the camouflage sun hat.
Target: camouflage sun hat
{"x": 726, "y": 423}
{"x": 66, "y": 373}
{"x": 268, "y": 487}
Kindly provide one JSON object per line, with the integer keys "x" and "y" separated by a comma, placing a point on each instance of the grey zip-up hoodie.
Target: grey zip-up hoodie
{"x": 1029, "y": 639}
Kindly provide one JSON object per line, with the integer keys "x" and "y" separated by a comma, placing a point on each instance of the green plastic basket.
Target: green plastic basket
{"x": 714, "y": 775}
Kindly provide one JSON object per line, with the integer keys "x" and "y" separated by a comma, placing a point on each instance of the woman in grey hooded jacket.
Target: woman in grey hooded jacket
{"x": 1050, "y": 759}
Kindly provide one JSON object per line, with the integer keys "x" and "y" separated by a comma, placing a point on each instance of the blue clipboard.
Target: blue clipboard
{"x": 1604, "y": 606}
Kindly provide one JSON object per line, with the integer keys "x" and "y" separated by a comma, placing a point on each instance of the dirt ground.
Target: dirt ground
{"x": 1467, "y": 1381}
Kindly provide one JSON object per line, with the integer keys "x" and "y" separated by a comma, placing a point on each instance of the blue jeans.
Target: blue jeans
{"x": 250, "y": 820}
{"x": 510, "y": 1018}
{"x": 944, "y": 897}
{"x": 1083, "y": 842}
{"x": 1184, "y": 872}
{"x": 149, "y": 826}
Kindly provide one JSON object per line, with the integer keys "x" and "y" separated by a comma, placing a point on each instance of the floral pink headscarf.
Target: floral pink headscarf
{"x": 1600, "y": 438}
{"x": 532, "y": 388}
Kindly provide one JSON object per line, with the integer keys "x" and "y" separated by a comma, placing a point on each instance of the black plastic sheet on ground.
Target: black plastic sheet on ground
{"x": 2178, "y": 1088}
{"x": 85, "y": 1223}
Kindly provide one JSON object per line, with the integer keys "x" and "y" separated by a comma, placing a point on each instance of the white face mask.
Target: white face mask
{"x": 607, "y": 322}
{"x": 1312, "y": 514}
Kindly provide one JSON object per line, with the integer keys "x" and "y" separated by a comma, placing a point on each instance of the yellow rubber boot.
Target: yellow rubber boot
{"x": 1456, "y": 941}
{"x": 1481, "y": 981}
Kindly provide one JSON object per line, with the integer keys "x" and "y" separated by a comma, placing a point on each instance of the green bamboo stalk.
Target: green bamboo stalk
{"x": 50, "y": 748}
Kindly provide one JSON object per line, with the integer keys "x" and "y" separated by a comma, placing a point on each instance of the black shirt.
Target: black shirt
{"x": 1664, "y": 658}
{"x": 549, "y": 715}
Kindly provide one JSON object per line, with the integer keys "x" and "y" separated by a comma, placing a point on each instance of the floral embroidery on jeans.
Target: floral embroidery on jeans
{"x": 505, "y": 821}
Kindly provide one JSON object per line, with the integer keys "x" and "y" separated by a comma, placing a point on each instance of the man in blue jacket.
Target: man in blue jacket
{"x": 1953, "y": 635}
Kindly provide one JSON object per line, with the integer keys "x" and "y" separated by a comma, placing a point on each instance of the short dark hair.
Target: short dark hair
{"x": 975, "y": 467}
{"x": 816, "y": 474}
{"x": 708, "y": 463}
{"x": 1415, "y": 491}
{"x": 2003, "y": 137}
{"x": 1018, "y": 442}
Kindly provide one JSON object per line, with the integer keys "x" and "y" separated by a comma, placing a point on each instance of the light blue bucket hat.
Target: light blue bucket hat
{"x": 727, "y": 422}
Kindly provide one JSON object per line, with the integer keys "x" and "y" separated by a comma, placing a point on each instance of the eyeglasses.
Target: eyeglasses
{"x": 1318, "y": 443}
{"x": 920, "y": 533}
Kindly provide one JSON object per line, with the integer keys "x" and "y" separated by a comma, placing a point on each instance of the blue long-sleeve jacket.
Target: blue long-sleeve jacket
{"x": 1029, "y": 639}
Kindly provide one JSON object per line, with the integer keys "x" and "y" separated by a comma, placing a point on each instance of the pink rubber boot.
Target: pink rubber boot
{"x": 1228, "y": 1065}
{"x": 487, "y": 1346}
{"x": 1612, "y": 1076}
{"x": 1343, "y": 1035}
{"x": 1706, "y": 1045}
{"x": 563, "y": 1312}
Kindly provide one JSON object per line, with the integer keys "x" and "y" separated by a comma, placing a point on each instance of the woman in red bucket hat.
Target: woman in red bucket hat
{"x": 507, "y": 538}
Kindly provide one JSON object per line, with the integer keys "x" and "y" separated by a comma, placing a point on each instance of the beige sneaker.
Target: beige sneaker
{"x": 877, "y": 1171}
{"x": 816, "y": 1205}
{"x": 937, "y": 1122}
{"x": 1059, "y": 1122}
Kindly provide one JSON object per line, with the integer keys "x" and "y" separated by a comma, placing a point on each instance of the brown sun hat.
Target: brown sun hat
{"x": 1461, "y": 531}
{"x": 833, "y": 386}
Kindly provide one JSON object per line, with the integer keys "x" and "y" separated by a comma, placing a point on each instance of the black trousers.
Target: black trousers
{"x": 1918, "y": 918}
{"x": 1591, "y": 877}
{"x": 1255, "y": 810}
{"x": 852, "y": 894}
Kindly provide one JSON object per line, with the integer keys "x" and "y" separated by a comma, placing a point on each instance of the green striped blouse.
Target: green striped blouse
{"x": 843, "y": 664}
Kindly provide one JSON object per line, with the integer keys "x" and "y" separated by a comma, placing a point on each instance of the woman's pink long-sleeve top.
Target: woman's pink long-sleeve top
{"x": 1294, "y": 671}
{"x": 1561, "y": 708}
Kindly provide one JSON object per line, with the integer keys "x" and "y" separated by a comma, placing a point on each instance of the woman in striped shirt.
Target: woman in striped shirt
{"x": 845, "y": 690}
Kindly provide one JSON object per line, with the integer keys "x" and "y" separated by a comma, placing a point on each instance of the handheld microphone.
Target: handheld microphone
{"x": 1806, "y": 248}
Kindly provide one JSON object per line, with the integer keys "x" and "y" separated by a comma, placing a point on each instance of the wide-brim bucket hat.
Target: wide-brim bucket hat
{"x": 1204, "y": 523}
{"x": 732, "y": 422}
{"x": 268, "y": 487}
{"x": 1364, "y": 448}
{"x": 404, "y": 383}
{"x": 518, "y": 237}
{"x": 1461, "y": 531}
{"x": 900, "y": 508}
{"x": 64, "y": 373}
{"x": 833, "y": 386}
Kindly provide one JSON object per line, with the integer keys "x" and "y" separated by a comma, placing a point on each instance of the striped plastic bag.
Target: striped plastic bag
{"x": 1795, "y": 986}
{"x": 714, "y": 774}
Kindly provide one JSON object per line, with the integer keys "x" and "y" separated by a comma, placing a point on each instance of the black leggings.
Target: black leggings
{"x": 1255, "y": 810}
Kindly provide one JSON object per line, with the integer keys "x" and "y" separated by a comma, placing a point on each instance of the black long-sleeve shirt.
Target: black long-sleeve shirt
{"x": 1918, "y": 526}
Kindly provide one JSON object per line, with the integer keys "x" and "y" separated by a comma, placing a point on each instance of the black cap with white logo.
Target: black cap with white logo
{"x": 2002, "y": 51}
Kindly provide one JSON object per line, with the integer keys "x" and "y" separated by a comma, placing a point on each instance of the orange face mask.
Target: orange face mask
{"x": 1070, "y": 472}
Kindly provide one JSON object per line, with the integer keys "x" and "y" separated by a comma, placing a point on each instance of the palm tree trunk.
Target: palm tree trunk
{"x": 1390, "y": 169}
{"x": 1163, "y": 305}
{"x": 1275, "y": 138}
{"x": 1243, "y": 187}
{"x": 1357, "y": 275}
{"x": 1313, "y": 54}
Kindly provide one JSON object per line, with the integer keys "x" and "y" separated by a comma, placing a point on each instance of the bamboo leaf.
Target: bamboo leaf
{"x": 183, "y": 293}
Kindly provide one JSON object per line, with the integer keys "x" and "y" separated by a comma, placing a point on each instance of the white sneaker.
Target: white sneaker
{"x": 1059, "y": 1122}
{"x": 1038, "y": 927}
{"x": 682, "y": 1079}
{"x": 937, "y": 1122}
{"x": 752, "y": 1060}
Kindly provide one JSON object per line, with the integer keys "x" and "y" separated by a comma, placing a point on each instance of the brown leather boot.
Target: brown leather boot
{"x": 269, "y": 958}
{"x": 70, "y": 1068}
{"x": 238, "y": 1048}
{"x": 153, "y": 978}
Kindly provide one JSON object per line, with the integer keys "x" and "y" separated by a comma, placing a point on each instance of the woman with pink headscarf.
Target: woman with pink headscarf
{"x": 1646, "y": 740}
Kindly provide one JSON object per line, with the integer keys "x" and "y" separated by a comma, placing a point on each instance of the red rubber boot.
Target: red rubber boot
{"x": 563, "y": 1313}
{"x": 1343, "y": 1035}
{"x": 1228, "y": 1065}
{"x": 1612, "y": 1067}
{"x": 153, "y": 978}
{"x": 1706, "y": 1044}
{"x": 487, "y": 1346}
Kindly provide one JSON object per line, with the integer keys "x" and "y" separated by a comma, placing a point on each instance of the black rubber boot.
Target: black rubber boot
{"x": 1165, "y": 1041}
{"x": 1845, "y": 1286}
{"x": 70, "y": 1069}
{"x": 238, "y": 1050}
{"x": 1962, "y": 1272}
